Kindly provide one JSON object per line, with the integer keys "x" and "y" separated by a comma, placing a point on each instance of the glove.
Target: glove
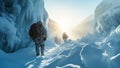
{"x": 44, "y": 37}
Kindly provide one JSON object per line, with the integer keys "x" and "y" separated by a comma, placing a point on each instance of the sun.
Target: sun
{"x": 65, "y": 20}
{"x": 65, "y": 25}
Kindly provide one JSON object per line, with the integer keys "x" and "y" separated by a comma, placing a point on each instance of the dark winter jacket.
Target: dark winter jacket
{"x": 37, "y": 30}
{"x": 65, "y": 37}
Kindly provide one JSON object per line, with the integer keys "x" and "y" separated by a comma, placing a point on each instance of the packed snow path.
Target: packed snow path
{"x": 26, "y": 57}
{"x": 71, "y": 54}
{"x": 59, "y": 56}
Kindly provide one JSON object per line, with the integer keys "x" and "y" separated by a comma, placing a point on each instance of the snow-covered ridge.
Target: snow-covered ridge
{"x": 16, "y": 16}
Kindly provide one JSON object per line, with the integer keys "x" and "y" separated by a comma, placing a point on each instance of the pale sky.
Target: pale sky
{"x": 70, "y": 12}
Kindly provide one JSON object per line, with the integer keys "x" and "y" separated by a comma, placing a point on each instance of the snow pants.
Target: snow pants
{"x": 39, "y": 45}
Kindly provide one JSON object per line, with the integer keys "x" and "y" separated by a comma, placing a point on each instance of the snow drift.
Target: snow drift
{"x": 16, "y": 16}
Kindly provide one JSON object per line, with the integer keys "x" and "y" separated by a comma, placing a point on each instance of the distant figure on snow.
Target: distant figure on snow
{"x": 38, "y": 34}
{"x": 64, "y": 36}
{"x": 57, "y": 40}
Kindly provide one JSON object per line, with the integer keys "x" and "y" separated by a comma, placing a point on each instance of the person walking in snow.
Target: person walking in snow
{"x": 57, "y": 40}
{"x": 64, "y": 36}
{"x": 38, "y": 34}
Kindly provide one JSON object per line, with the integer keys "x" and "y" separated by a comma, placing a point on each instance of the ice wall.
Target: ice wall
{"x": 107, "y": 15}
{"x": 16, "y": 16}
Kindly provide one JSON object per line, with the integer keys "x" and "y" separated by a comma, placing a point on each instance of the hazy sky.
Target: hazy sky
{"x": 70, "y": 12}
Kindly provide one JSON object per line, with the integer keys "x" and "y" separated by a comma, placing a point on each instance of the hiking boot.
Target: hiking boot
{"x": 42, "y": 54}
{"x": 37, "y": 54}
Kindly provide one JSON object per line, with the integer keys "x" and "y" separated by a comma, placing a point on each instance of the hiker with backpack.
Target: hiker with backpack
{"x": 38, "y": 34}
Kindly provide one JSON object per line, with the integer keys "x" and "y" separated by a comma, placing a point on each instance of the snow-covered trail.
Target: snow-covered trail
{"x": 60, "y": 56}
{"x": 26, "y": 57}
{"x": 71, "y": 54}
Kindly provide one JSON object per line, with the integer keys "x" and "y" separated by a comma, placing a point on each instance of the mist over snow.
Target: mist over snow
{"x": 83, "y": 28}
{"x": 98, "y": 45}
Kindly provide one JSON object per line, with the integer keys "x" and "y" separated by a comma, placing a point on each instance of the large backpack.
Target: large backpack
{"x": 65, "y": 36}
{"x": 37, "y": 30}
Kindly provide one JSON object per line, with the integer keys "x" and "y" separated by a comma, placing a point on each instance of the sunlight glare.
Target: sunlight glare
{"x": 65, "y": 25}
{"x": 66, "y": 19}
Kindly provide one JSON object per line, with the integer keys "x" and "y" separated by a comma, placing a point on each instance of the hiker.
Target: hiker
{"x": 64, "y": 36}
{"x": 57, "y": 40}
{"x": 38, "y": 34}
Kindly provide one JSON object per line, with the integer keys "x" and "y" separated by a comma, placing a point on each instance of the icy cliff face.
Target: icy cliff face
{"x": 107, "y": 15}
{"x": 16, "y": 16}
{"x": 103, "y": 47}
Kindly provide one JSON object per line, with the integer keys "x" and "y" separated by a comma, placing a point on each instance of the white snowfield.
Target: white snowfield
{"x": 98, "y": 50}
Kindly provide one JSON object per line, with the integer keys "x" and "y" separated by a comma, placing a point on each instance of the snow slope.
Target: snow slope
{"x": 17, "y": 59}
{"x": 16, "y": 16}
